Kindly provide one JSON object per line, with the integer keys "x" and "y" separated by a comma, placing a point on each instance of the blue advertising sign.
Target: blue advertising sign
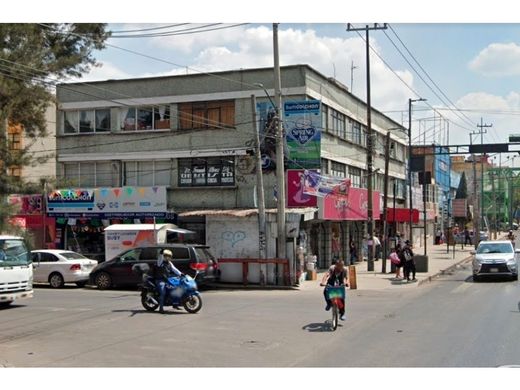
{"x": 303, "y": 137}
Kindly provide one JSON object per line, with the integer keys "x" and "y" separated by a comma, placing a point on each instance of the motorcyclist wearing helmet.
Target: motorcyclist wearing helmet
{"x": 162, "y": 270}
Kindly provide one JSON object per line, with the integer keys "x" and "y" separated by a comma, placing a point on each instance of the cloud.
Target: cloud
{"x": 247, "y": 47}
{"x": 251, "y": 46}
{"x": 497, "y": 59}
{"x": 499, "y": 111}
{"x": 104, "y": 71}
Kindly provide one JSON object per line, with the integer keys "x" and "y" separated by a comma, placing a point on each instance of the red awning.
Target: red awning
{"x": 401, "y": 215}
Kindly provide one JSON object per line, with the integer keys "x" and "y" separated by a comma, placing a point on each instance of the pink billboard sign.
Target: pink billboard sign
{"x": 296, "y": 197}
{"x": 353, "y": 207}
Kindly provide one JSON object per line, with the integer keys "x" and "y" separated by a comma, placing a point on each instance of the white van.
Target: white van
{"x": 121, "y": 237}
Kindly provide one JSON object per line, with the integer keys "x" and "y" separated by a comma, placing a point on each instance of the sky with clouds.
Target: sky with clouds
{"x": 467, "y": 67}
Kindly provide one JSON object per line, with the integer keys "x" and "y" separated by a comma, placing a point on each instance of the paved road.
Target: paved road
{"x": 451, "y": 322}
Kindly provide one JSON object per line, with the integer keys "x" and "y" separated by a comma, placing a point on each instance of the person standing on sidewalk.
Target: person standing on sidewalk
{"x": 408, "y": 261}
{"x": 396, "y": 261}
{"x": 353, "y": 252}
{"x": 467, "y": 237}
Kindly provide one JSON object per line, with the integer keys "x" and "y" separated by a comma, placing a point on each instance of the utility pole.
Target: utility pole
{"x": 259, "y": 195}
{"x": 476, "y": 214}
{"x": 280, "y": 171}
{"x": 480, "y": 205}
{"x": 385, "y": 204}
{"x": 410, "y": 202}
{"x": 370, "y": 145}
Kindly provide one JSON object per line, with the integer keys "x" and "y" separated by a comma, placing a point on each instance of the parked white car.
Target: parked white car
{"x": 57, "y": 267}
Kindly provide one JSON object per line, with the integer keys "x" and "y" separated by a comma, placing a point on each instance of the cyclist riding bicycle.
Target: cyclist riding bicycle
{"x": 335, "y": 276}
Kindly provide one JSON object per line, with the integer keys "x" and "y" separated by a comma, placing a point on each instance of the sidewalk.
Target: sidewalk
{"x": 439, "y": 262}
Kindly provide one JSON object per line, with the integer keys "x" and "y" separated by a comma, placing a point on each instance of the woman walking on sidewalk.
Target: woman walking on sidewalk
{"x": 396, "y": 261}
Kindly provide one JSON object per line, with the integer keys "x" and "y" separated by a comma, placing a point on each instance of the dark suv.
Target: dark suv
{"x": 188, "y": 258}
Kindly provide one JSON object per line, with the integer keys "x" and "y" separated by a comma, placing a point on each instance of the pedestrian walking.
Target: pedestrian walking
{"x": 353, "y": 252}
{"x": 377, "y": 245}
{"x": 438, "y": 236}
{"x": 407, "y": 259}
{"x": 467, "y": 236}
{"x": 396, "y": 261}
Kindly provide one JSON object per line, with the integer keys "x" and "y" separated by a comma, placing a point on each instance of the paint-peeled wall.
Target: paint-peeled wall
{"x": 233, "y": 237}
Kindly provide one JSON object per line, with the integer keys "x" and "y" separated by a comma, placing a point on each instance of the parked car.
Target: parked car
{"x": 57, "y": 267}
{"x": 495, "y": 258}
{"x": 188, "y": 258}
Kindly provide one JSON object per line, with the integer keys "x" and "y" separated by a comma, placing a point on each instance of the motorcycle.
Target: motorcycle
{"x": 180, "y": 291}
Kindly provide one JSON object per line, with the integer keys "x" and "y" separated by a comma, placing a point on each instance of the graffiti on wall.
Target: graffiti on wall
{"x": 234, "y": 237}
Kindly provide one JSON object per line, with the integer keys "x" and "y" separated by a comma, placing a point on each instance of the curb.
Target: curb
{"x": 444, "y": 271}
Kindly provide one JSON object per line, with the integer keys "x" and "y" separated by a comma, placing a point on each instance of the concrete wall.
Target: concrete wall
{"x": 43, "y": 146}
{"x": 233, "y": 237}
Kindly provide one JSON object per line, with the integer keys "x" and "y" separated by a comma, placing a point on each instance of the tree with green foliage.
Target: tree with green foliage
{"x": 462, "y": 193}
{"x": 33, "y": 58}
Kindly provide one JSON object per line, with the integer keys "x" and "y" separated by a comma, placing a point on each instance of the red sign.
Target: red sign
{"x": 29, "y": 204}
{"x": 295, "y": 186}
{"x": 401, "y": 215}
{"x": 353, "y": 207}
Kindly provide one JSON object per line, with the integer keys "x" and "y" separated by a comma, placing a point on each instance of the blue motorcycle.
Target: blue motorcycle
{"x": 180, "y": 291}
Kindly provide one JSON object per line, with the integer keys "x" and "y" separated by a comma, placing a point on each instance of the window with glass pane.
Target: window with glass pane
{"x": 87, "y": 173}
{"x": 130, "y": 169}
{"x": 337, "y": 169}
{"x": 363, "y": 136}
{"x": 127, "y": 118}
{"x": 86, "y": 121}
{"x": 102, "y": 120}
{"x": 355, "y": 176}
{"x": 356, "y": 132}
{"x": 162, "y": 173}
{"x": 15, "y": 141}
{"x": 145, "y": 173}
{"x": 324, "y": 116}
{"x": 71, "y": 173}
{"x": 103, "y": 174}
{"x": 324, "y": 166}
{"x": 161, "y": 117}
{"x": 70, "y": 122}
{"x": 145, "y": 118}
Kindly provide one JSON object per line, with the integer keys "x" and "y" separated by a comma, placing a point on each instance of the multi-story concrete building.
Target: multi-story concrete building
{"x": 194, "y": 134}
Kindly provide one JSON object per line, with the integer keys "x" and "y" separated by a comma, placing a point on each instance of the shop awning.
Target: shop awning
{"x": 180, "y": 230}
{"x": 308, "y": 212}
{"x": 401, "y": 215}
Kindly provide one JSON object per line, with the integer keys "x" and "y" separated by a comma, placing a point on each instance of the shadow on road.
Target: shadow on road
{"x": 151, "y": 313}
{"x": 319, "y": 327}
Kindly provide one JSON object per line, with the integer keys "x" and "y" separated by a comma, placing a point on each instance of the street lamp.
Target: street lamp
{"x": 260, "y": 85}
{"x": 410, "y": 101}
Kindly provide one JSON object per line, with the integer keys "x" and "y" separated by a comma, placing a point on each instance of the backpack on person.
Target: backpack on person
{"x": 394, "y": 258}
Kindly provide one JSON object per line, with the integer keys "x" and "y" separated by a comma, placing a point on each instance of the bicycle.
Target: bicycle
{"x": 336, "y": 295}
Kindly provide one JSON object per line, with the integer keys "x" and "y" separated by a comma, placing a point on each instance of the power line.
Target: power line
{"x": 151, "y": 28}
{"x": 469, "y": 121}
{"x": 193, "y": 30}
